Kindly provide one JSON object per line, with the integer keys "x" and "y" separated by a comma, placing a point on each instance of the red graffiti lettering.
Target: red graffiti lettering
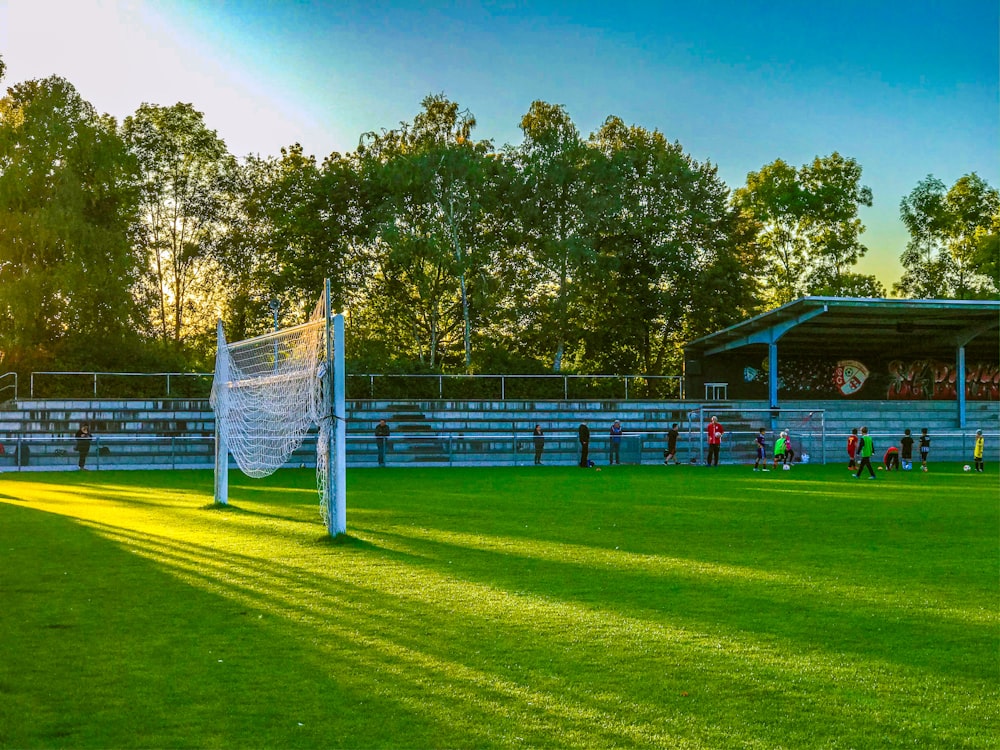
{"x": 920, "y": 379}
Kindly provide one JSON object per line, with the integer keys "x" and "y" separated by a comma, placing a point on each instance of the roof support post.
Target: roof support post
{"x": 772, "y": 374}
{"x": 963, "y": 338}
{"x": 960, "y": 384}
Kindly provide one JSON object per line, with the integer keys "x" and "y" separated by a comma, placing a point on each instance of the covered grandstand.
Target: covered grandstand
{"x": 823, "y": 348}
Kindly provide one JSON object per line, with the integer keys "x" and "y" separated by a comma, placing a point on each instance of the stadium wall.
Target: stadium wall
{"x": 179, "y": 433}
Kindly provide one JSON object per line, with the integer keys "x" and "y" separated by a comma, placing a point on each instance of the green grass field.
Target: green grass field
{"x": 666, "y": 607}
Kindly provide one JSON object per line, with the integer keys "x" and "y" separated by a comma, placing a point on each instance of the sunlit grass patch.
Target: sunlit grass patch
{"x": 640, "y": 606}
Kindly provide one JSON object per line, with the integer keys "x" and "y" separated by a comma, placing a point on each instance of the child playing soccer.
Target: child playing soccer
{"x": 760, "y": 452}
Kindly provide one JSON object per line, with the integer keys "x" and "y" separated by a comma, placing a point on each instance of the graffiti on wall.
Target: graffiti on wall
{"x": 899, "y": 380}
{"x": 929, "y": 379}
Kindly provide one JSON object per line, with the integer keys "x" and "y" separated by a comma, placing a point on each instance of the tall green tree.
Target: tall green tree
{"x": 183, "y": 163}
{"x": 775, "y": 201}
{"x": 429, "y": 246}
{"x": 809, "y": 230}
{"x": 665, "y": 225}
{"x": 987, "y": 255}
{"x": 948, "y": 252}
{"x": 833, "y": 227}
{"x": 556, "y": 202}
{"x": 288, "y": 225}
{"x": 68, "y": 202}
{"x": 244, "y": 249}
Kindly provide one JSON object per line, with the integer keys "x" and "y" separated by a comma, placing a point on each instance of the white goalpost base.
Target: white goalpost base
{"x": 270, "y": 391}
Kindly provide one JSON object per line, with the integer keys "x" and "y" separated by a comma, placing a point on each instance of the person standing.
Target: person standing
{"x": 866, "y": 448}
{"x": 925, "y": 448}
{"x": 615, "y": 448}
{"x": 906, "y": 449}
{"x": 381, "y": 440}
{"x": 715, "y": 433}
{"x": 538, "y": 438}
{"x": 852, "y": 450}
{"x": 83, "y": 438}
{"x": 977, "y": 451}
{"x": 671, "y": 452}
{"x": 761, "y": 462}
{"x": 584, "y": 434}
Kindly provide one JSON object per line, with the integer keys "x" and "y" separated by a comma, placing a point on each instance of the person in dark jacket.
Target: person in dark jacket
{"x": 538, "y": 438}
{"x": 670, "y": 454}
{"x": 584, "y": 433}
{"x": 615, "y": 449}
{"x": 83, "y": 438}
{"x": 381, "y": 440}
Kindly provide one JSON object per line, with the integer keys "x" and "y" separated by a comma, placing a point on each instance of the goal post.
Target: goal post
{"x": 270, "y": 393}
{"x": 806, "y": 428}
{"x": 337, "y": 496}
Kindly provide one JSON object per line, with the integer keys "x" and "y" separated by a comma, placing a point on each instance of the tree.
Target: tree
{"x": 987, "y": 256}
{"x": 774, "y": 199}
{"x": 809, "y": 225}
{"x": 664, "y": 230}
{"x": 288, "y": 225}
{"x": 833, "y": 228}
{"x": 852, "y": 285}
{"x": 183, "y": 164}
{"x": 244, "y": 250}
{"x": 948, "y": 255}
{"x": 555, "y": 200}
{"x": 429, "y": 249}
{"x": 68, "y": 202}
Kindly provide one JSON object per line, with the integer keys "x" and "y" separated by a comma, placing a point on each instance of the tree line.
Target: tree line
{"x": 122, "y": 243}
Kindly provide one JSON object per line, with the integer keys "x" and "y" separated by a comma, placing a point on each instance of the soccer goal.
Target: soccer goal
{"x": 270, "y": 392}
{"x": 806, "y": 429}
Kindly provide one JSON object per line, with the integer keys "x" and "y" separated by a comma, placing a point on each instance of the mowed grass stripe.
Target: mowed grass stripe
{"x": 550, "y": 607}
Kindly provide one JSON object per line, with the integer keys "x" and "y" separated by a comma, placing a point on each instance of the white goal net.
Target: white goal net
{"x": 268, "y": 394}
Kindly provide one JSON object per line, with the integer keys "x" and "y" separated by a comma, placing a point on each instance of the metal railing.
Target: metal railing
{"x": 43, "y": 453}
{"x": 502, "y": 387}
{"x": 4, "y": 388}
{"x": 361, "y": 386}
{"x": 92, "y": 380}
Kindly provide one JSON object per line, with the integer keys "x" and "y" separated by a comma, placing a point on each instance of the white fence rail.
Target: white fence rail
{"x": 42, "y": 384}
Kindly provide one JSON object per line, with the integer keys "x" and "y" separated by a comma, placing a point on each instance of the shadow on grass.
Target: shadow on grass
{"x": 811, "y": 614}
{"x": 239, "y": 510}
{"x": 223, "y": 507}
{"x": 348, "y": 541}
{"x": 456, "y": 633}
{"x": 162, "y": 629}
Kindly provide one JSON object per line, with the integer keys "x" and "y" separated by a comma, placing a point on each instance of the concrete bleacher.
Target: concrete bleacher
{"x": 162, "y": 433}
{"x": 179, "y": 433}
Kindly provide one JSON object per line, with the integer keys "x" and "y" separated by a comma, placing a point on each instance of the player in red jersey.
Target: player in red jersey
{"x": 715, "y": 432}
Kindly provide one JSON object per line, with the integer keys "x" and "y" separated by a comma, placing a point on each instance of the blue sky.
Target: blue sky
{"x": 906, "y": 89}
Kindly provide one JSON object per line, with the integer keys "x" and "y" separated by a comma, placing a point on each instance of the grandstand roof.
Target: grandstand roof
{"x": 887, "y": 327}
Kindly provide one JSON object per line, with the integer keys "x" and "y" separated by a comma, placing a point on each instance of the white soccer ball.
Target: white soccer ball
{"x": 966, "y": 468}
{"x": 786, "y": 467}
